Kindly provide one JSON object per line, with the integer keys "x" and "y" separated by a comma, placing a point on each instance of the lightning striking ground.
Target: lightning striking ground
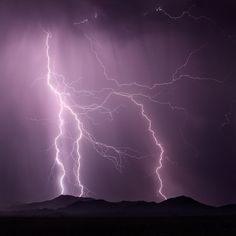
{"x": 131, "y": 96}
{"x": 114, "y": 88}
{"x": 118, "y": 89}
{"x": 114, "y": 154}
{"x": 62, "y": 107}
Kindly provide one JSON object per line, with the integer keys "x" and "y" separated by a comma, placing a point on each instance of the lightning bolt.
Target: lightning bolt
{"x": 131, "y": 97}
{"x": 118, "y": 89}
{"x": 114, "y": 88}
{"x": 114, "y": 154}
{"x": 62, "y": 107}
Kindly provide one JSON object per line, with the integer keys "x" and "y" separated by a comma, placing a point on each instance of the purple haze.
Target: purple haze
{"x": 193, "y": 116}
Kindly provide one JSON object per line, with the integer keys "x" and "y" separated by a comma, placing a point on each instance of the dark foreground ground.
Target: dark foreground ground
{"x": 69, "y": 215}
{"x": 213, "y": 225}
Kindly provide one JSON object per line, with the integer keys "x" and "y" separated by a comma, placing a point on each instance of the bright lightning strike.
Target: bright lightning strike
{"x": 114, "y": 154}
{"x": 117, "y": 89}
{"x": 131, "y": 97}
{"x": 63, "y": 106}
{"x": 113, "y": 88}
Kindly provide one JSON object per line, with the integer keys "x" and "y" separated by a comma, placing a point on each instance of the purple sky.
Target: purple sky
{"x": 191, "y": 43}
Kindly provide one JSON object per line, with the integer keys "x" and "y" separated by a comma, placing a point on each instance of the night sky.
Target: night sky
{"x": 187, "y": 49}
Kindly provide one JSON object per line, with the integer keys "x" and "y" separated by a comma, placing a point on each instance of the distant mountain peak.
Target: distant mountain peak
{"x": 182, "y": 198}
{"x": 183, "y": 201}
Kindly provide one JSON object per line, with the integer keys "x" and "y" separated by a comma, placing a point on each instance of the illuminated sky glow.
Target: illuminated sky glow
{"x": 119, "y": 101}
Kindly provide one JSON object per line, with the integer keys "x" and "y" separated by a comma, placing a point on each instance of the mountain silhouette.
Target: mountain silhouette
{"x": 69, "y": 215}
{"x": 70, "y": 206}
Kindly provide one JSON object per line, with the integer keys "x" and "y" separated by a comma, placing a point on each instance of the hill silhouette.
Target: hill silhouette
{"x": 69, "y": 215}
{"x": 70, "y": 206}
